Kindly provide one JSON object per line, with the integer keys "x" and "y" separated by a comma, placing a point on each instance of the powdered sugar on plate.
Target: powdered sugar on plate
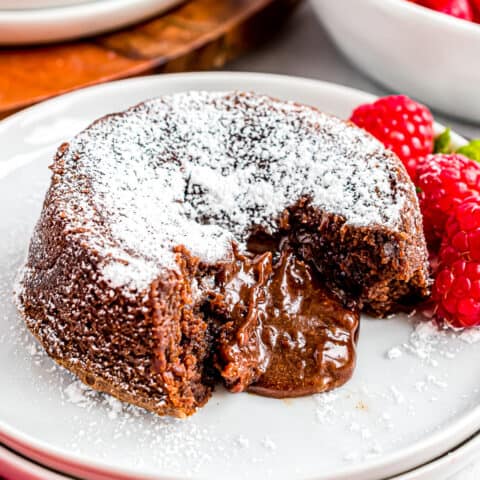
{"x": 373, "y": 411}
{"x": 177, "y": 443}
{"x": 429, "y": 340}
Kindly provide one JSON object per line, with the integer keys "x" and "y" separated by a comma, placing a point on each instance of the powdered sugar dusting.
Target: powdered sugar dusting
{"x": 429, "y": 341}
{"x": 471, "y": 335}
{"x": 200, "y": 169}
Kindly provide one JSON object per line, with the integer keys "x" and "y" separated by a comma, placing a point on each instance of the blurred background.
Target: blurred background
{"x": 375, "y": 45}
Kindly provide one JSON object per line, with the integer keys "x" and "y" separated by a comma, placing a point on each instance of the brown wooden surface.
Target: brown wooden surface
{"x": 199, "y": 35}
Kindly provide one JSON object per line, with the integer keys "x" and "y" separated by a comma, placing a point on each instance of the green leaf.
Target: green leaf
{"x": 443, "y": 142}
{"x": 471, "y": 150}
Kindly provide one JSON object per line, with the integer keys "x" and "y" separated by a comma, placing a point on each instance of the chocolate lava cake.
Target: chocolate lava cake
{"x": 219, "y": 237}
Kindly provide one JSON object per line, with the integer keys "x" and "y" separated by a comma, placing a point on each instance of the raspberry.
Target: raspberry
{"x": 456, "y": 291}
{"x": 402, "y": 125}
{"x": 476, "y": 10}
{"x": 455, "y": 8}
{"x": 444, "y": 181}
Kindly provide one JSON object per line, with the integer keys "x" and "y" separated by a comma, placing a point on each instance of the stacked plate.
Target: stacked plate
{"x": 414, "y": 396}
{"x": 41, "y": 21}
{"x": 14, "y": 466}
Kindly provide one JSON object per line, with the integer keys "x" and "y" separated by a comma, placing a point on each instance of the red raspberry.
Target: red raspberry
{"x": 402, "y": 125}
{"x": 476, "y": 10}
{"x": 456, "y": 8}
{"x": 456, "y": 291}
{"x": 444, "y": 181}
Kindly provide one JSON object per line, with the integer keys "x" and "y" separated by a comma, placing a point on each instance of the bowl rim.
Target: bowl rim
{"x": 428, "y": 15}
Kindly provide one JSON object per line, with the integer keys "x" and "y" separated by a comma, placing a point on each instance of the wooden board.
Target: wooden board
{"x": 199, "y": 35}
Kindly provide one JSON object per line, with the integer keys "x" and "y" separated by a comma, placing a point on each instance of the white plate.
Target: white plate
{"x": 410, "y": 49}
{"x": 458, "y": 461}
{"x": 394, "y": 415}
{"x": 13, "y": 466}
{"x": 74, "y": 20}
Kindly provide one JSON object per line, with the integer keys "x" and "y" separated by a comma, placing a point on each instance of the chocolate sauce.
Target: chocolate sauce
{"x": 284, "y": 334}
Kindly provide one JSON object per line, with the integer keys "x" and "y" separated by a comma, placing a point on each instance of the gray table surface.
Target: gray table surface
{"x": 303, "y": 48}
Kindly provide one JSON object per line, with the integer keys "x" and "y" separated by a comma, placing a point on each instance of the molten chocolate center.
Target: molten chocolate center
{"x": 282, "y": 333}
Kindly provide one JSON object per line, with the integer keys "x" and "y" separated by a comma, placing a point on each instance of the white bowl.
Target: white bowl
{"x": 430, "y": 56}
{"x": 73, "y": 19}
